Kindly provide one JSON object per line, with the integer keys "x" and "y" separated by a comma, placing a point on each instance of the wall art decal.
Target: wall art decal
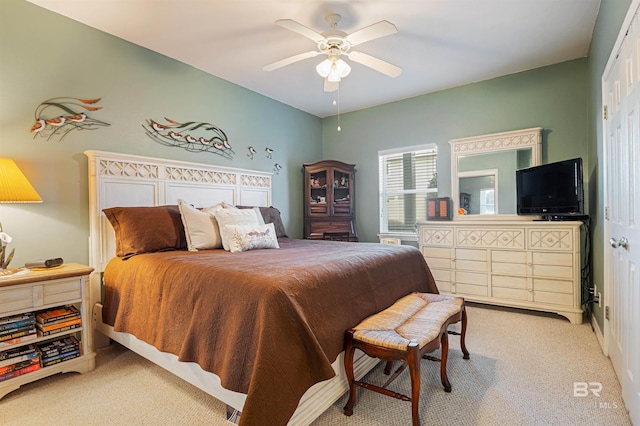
{"x": 252, "y": 151}
{"x": 192, "y": 136}
{"x": 276, "y": 168}
{"x": 59, "y": 116}
{"x": 268, "y": 152}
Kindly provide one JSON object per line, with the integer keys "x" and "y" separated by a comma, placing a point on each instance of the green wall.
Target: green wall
{"x": 554, "y": 98}
{"x": 44, "y": 55}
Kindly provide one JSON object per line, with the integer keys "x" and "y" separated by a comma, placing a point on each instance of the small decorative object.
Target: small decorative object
{"x": 276, "y": 168}
{"x": 462, "y": 211}
{"x": 5, "y": 239}
{"x": 14, "y": 188}
{"x": 268, "y": 152}
{"x": 343, "y": 181}
{"x": 64, "y": 115}
{"x": 439, "y": 208}
{"x": 192, "y": 136}
{"x": 252, "y": 151}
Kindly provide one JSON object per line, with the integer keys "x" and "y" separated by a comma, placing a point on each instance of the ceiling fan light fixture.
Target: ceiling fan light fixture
{"x": 324, "y": 68}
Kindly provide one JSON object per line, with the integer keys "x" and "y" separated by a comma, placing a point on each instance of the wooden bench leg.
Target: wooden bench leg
{"x": 444, "y": 343}
{"x": 348, "y": 368}
{"x": 413, "y": 360}
{"x": 463, "y": 333}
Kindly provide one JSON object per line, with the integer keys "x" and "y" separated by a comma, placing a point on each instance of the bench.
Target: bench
{"x": 406, "y": 331}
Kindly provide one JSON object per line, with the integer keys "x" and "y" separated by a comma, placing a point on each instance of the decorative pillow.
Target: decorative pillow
{"x": 146, "y": 229}
{"x": 270, "y": 215}
{"x": 250, "y": 237}
{"x": 201, "y": 227}
{"x": 234, "y": 217}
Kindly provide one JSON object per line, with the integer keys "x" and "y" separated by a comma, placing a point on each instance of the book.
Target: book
{"x": 17, "y": 334}
{"x": 22, "y": 350}
{"x": 60, "y": 358}
{"x": 15, "y": 318}
{"x": 19, "y": 358}
{"x": 58, "y": 347}
{"x": 59, "y": 330}
{"x": 64, "y": 342}
{"x": 18, "y": 365}
{"x": 57, "y": 314}
{"x": 18, "y": 340}
{"x": 14, "y": 330}
{"x": 18, "y": 323}
{"x": 56, "y": 325}
{"x": 20, "y": 372}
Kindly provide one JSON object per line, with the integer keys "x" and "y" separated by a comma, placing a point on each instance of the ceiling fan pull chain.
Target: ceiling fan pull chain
{"x": 339, "y": 128}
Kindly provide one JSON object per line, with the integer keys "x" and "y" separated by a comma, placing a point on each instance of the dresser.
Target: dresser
{"x": 523, "y": 264}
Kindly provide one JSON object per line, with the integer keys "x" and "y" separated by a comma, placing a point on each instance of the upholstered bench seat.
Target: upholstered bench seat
{"x": 407, "y": 330}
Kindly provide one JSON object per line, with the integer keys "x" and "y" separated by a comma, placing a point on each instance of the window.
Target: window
{"x": 407, "y": 178}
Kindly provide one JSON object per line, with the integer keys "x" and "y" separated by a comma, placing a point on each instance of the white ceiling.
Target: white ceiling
{"x": 439, "y": 44}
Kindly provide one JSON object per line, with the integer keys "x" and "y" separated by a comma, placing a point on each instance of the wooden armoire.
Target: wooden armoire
{"x": 329, "y": 201}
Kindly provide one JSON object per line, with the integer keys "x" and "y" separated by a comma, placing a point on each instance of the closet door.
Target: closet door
{"x": 621, "y": 90}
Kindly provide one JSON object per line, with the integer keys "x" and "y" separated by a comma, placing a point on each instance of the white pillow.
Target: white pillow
{"x": 250, "y": 237}
{"x": 234, "y": 217}
{"x": 200, "y": 227}
{"x": 259, "y": 216}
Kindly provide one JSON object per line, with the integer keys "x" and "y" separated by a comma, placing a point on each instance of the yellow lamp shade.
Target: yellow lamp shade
{"x": 14, "y": 186}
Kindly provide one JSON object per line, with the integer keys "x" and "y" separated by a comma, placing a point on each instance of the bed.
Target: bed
{"x": 261, "y": 330}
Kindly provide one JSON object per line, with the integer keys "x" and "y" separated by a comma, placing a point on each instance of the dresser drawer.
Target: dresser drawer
{"x": 556, "y": 239}
{"x": 509, "y": 282}
{"x": 510, "y": 293}
{"x": 553, "y": 286}
{"x": 470, "y": 278}
{"x": 436, "y": 236}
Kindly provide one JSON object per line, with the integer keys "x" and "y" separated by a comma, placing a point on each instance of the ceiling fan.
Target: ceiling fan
{"x": 335, "y": 43}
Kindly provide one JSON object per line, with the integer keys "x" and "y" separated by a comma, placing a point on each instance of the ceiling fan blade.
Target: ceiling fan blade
{"x": 297, "y": 27}
{"x": 290, "y": 60}
{"x": 372, "y": 32}
{"x": 377, "y": 64}
{"x": 330, "y": 86}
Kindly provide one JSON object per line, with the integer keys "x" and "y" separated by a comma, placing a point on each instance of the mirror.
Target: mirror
{"x": 483, "y": 171}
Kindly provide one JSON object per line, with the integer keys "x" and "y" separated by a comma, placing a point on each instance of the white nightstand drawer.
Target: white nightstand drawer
{"x": 15, "y": 298}
{"x": 62, "y": 290}
{"x": 27, "y": 296}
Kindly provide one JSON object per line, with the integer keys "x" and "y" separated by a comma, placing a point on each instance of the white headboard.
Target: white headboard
{"x": 130, "y": 180}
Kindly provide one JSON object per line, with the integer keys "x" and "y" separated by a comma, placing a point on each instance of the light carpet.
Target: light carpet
{"x": 522, "y": 371}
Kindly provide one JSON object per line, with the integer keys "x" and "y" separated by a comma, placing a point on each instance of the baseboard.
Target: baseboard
{"x": 598, "y": 332}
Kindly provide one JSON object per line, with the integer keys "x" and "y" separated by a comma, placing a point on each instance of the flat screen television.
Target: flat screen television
{"x": 553, "y": 191}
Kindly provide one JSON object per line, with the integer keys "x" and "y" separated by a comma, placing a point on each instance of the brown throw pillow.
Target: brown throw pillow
{"x": 271, "y": 215}
{"x": 146, "y": 229}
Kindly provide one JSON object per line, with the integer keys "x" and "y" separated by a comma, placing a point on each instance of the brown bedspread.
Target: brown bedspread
{"x": 269, "y": 323}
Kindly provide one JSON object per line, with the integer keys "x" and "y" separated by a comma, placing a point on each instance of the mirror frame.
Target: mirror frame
{"x": 494, "y": 142}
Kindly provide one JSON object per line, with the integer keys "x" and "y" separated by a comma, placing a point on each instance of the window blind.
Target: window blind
{"x": 407, "y": 178}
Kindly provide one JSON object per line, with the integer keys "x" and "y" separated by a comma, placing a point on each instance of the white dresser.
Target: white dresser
{"x": 523, "y": 264}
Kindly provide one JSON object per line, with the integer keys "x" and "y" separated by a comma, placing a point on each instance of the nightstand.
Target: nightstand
{"x": 32, "y": 291}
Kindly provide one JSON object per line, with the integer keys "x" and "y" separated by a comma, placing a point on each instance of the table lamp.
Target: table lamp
{"x": 14, "y": 188}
